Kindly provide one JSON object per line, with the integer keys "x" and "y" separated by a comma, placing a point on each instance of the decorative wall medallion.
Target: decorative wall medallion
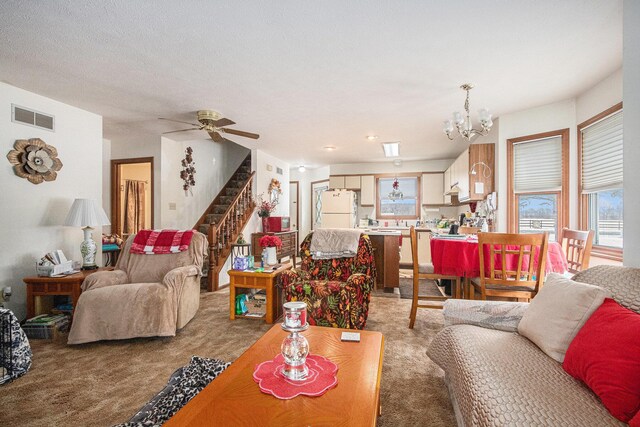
{"x": 34, "y": 160}
{"x": 188, "y": 171}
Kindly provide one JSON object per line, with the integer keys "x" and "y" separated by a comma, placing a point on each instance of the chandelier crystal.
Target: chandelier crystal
{"x": 463, "y": 124}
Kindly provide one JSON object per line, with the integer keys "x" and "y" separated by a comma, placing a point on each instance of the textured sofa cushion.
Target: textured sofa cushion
{"x": 606, "y": 356}
{"x": 502, "y": 379}
{"x": 557, "y": 313}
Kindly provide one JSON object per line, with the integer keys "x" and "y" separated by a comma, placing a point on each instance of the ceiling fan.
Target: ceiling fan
{"x": 214, "y": 124}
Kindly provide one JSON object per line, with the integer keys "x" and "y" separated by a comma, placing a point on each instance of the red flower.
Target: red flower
{"x": 270, "y": 241}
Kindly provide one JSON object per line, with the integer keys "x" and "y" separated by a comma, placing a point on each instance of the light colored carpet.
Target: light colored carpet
{"x": 105, "y": 383}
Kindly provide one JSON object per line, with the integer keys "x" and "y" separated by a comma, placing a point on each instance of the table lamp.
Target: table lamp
{"x": 86, "y": 213}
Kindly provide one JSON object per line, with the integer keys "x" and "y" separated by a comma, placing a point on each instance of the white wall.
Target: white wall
{"x": 214, "y": 163}
{"x": 106, "y": 182}
{"x": 264, "y": 176}
{"x": 389, "y": 167}
{"x": 559, "y": 115}
{"x": 305, "y": 179}
{"x": 605, "y": 94}
{"x": 134, "y": 146}
{"x": 631, "y": 130}
{"x": 31, "y": 217}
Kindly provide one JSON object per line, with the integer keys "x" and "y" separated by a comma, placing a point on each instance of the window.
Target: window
{"x": 538, "y": 176}
{"x": 407, "y": 207}
{"x": 600, "y": 147}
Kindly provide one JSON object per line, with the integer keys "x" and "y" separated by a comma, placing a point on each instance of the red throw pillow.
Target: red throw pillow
{"x": 635, "y": 422}
{"x": 605, "y": 355}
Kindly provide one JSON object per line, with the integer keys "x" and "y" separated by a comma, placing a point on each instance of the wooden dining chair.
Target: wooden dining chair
{"x": 517, "y": 274}
{"x": 468, "y": 230}
{"x": 425, "y": 271}
{"x": 576, "y": 245}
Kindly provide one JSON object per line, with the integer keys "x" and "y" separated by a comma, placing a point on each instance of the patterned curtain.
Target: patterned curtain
{"x": 134, "y": 206}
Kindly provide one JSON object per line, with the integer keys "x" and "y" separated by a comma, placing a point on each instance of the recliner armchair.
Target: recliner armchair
{"x": 337, "y": 291}
{"x": 146, "y": 295}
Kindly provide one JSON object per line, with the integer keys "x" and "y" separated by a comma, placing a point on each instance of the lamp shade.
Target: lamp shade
{"x": 86, "y": 213}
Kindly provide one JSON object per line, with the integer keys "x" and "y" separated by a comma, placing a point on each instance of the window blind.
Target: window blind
{"x": 538, "y": 165}
{"x": 602, "y": 155}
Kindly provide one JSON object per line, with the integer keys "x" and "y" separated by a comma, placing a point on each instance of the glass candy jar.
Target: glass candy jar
{"x": 295, "y": 347}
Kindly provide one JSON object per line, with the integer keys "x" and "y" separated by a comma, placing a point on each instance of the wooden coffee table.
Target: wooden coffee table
{"x": 234, "y": 398}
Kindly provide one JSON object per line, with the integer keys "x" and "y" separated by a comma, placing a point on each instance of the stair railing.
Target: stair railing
{"x": 222, "y": 233}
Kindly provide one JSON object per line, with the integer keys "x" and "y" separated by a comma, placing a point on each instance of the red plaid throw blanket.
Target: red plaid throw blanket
{"x": 151, "y": 242}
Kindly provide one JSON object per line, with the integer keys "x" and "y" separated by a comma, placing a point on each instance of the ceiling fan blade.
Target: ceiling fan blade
{"x": 178, "y": 121}
{"x": 241, "y": 133}
{"x": 223, "y": 122}
{"x": 216, "y": 136}
{"x": 182, "y": 130}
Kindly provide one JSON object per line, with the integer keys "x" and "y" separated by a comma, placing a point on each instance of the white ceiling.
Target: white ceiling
{"x": 306, "y": 74}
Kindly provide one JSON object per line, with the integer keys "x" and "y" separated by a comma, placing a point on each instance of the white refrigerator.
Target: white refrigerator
{"x": 339, "y": 209}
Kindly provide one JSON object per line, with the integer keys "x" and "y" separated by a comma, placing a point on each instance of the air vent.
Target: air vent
{"x": 279, "y": 171}
{"x": 32, "y": 118}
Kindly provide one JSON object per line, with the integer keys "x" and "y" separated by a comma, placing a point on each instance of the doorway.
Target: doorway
{"x": 131, "y": 195}
{"x": 294, "y": 206}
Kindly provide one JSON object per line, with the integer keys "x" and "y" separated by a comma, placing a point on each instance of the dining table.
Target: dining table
{"x": 459, "y": 256}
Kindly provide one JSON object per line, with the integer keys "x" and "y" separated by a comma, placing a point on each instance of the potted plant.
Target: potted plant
{"x": 271, "y": 244}
{"x": 264, "y": 211}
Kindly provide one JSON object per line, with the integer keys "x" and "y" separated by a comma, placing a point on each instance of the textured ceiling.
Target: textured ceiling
{"x": 306, "y": 74}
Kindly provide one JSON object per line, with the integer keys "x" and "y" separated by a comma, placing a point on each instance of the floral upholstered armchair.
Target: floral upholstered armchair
{"x": 337, "y": 290}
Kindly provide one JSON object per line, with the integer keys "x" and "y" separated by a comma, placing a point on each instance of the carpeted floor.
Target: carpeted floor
{"x": 105, "y": 383}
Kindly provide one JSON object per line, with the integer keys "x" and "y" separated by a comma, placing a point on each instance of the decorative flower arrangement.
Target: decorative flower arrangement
{"x": 34, "y": 160}
{"x": 396, "y": 184}
{"x": 264, "y": 207}
{"x": 396, "y": 194}
{"x": 188, "y": 171}
{"x": 270, "y": 241}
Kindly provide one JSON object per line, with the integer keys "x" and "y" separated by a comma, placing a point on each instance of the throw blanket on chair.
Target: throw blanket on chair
{"x": 330, "y": 243}
{"x": 151, "y": 242}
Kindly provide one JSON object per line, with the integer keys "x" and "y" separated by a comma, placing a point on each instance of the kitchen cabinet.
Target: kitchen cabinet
{"x": 424, "y": 248}
{"x": 447, "y": 186}
{"x": 459, "y": 174}
{"x": 387, "y": 259}
{"x": 432, "y": 185}
{"x": 367, "y": 190}
{"x": 352, "y": 182}
{"x": 336, "y": 182}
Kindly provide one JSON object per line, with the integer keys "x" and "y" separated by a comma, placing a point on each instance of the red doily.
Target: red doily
{"x": 322, "y": 377}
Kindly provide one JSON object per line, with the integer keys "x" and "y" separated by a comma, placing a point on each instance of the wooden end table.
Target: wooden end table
{"x": 234, "y": 398}
{"x": 67, "y": 285}
{"x": 253, "y": 280}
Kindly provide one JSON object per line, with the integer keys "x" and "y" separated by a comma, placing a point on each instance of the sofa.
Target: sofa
{"x": 497, "y": 377}
{"x": 337, "y": 291}
{"x": 144, "y": 296}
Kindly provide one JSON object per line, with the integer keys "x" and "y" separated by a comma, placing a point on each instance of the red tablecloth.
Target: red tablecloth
{"x": 461, "y": 258}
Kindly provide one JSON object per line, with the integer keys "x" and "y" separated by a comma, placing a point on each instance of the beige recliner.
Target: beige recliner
{"x": 146, "y": 295}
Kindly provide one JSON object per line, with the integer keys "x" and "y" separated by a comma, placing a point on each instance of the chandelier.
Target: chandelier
{"x": 463, "y": 124}
{"x": 396, "y": 194}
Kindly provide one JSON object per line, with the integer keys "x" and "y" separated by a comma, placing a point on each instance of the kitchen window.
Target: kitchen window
{"x": 537, "y": 168}
{"x": 600, "y": 149}
{"x": 393, "y": 205}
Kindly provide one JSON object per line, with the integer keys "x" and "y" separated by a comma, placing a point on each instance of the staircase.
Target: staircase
{"x": 225, "y": 218}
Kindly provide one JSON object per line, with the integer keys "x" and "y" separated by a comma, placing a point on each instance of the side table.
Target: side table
{"x": 67, "y": 285}
{"x": 253, "y": 280}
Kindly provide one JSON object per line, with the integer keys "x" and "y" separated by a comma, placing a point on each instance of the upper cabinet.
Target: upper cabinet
{"x": 336, "y": 182}
{"x": 367, "y": 190}
{"x": 432, "y": 184}
{"x": 352, "y": 182}
{"x": 472, "y": 187}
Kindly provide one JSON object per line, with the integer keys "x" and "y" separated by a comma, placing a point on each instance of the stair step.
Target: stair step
{"x": 241, "y": 176}
{"x": 220, "y": 209}
{"x": 204, "y": 229}
{"x": 235, "y": 184}
{"x": 213, "y": 218}
{"x": 227, "y": 200}
{"x": 231, "y": 191}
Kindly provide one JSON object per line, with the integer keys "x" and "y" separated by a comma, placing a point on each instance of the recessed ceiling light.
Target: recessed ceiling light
{"x": 391, "y": 149}
{"x": 329, "y": 147}
{"x": 301, "y": 168}
{"x": 372, "y": 137}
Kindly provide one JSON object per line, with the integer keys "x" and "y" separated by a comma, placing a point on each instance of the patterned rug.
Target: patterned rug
{"x": 427, "y": 287}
